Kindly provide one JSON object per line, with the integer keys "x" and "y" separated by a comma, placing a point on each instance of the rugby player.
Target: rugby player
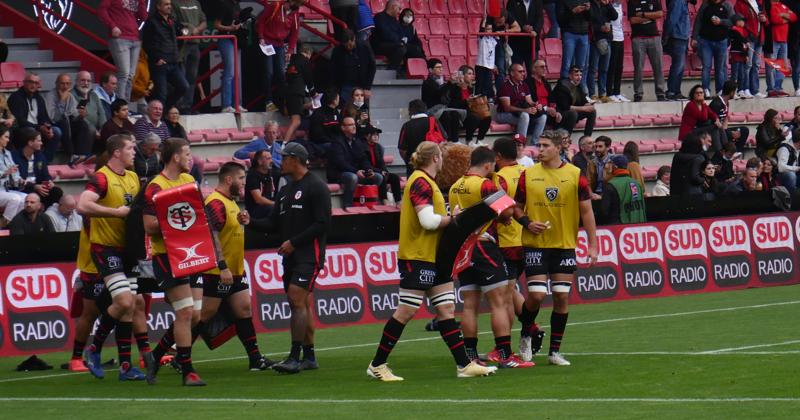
{"x": 91, "y": 282}
{"x": 487, "y": 272}
{"x": 177, "y": 158}
{"x": 509, "y": 234}
{"x": 106, "y": 201}
{"x": 224, "y": 215}
{"x": 552, "y": 197}
{"x": 422, "y": 220}
{"x": 301, "y": 218}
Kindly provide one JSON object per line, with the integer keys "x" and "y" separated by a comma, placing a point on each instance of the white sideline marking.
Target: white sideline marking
{"x": 687, "y": 353}
{"x": 405, "y": 400}
{"x": 600, "y": 321}
{"x": 757, "y": 346}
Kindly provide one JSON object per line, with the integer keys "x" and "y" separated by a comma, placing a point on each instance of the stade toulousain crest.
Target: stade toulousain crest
{"x": 181, "y": 216}
{"x": 65, "y": 7}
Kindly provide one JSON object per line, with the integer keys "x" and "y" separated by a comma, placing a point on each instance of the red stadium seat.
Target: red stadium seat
{"x": 334, "y": 188}
{"x": 455, "y": 62}
{"x": 458, "y": 47}
{"x": 552, "y": 46}
{"x": 11, "y": 75}
{"x": 458, "y": 26}
{"x": 553, "y": 64}
{"x": 421, "y": 25}
{"x": 473, "y": 47}
{"x": 475, "y": 7}
{"x": 458, "y": 7}
{"x": 439, "y": 26}
{"x": 377, "y": 6}
{"x": 474, "y": 23}
{"x": 439, "y": 47}
{"x": 420, "y": 7}
{"x": 259, "y": 131}
{"x": 417, "y": 68}
{"x": 235, "y": 134}
{"x": 438, "y": 7}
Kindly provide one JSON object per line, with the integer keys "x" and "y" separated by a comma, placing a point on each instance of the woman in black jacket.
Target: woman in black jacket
{"x": 173, "y": 123}
{"x": 710, "y": 188}
{"x": 455, "y": 95}
{"x": 769, "y": 134}
{"x": 410, "y": 38}
{"x": 686, "y": 165}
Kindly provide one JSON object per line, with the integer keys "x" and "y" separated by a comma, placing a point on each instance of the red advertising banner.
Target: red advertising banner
{"x": 359, "y": 282}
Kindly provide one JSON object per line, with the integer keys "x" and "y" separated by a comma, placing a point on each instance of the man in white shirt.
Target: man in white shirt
{"x": 63, "y": 215}
{"x": 788, "y": 166}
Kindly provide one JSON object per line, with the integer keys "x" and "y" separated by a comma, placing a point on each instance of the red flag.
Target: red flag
{"x": 778, "y": 64}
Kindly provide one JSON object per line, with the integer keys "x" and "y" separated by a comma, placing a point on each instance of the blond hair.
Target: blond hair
{"x": 424, "y": 154}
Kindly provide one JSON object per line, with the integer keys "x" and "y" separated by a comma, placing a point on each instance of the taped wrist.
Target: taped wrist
{"x": 524, "y": 221}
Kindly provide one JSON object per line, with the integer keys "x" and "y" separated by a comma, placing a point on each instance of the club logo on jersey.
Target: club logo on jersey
{"x": 297, "y": 195}
{"x": 191, "y": 252}
{"x": 128, "y": 199}
{"x": 551, "y": 193}
{"x": 181, "y": 216}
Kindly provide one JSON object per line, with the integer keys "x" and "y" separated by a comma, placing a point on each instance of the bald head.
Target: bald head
{"x": 66, "y": 205}
{"x": 33, "y": 203}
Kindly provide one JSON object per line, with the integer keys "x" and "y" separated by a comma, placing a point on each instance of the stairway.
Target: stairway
{"x": 40, "y": 61}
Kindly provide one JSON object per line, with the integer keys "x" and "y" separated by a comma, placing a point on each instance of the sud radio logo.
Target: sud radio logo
{"x": 382, "y": 275}
{"x": 773, "y": 236}
{"x": 687, "y": 251}
{"x": 600, "y": 281}
{"x": 338, "y": 297}
{"x": 642, "y": 260}
{"x": 729, "y": 241}
{"x": 34, "y": 318}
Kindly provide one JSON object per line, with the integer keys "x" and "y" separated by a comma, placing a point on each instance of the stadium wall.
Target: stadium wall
{"x": 359, "y": 283}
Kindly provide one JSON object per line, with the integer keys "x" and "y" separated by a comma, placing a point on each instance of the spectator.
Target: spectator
{"x": 300, "y": 84}
{"x": 583, "y": 159}
{"x": 687, "y": 164}
{"x": 738, "y": 55}
{"x": 348, "y": 163}
{"x": 631, "y": 152}
{"x": 259, "y": 185}
{"x": 522, "y": 155}
{"x": 552, "y": 17}
{"x": 747, "y": 183}
{"x": 769, "y": 134}
{"x": 411, "y": 40}
{"x": 643, "y": 15}
{"x": 375, "y": 153}
{"x": 366, "y": 24}
{"x": 278, "y": 22}
{"x": 30, "y": 219}
{"x": 569, "y": 97}
{"x": 793, "y": 41}
{"x": 32, "y": 167}
{"x": 122, "y": 18}
{"x": 780, "y": 17}
{"x": 414, "y": 131}
{"x": 503, "y": 23}
{"x": 530, "y": 19}
{"x": 117, "y": 124}
{"x": 106, "y": 91}
{"x": 614, "y": 83}
{"x": 456, "y": 95}
{"x": 151, "y": 123}
{"x": 225, "y": 20}
{"x": 566, "y": 152}
{"x": 516, "y": 105}
{"x": 189, "y": 14}
{"x": 11, "y": 200}
{"x": 271, "y": 143}
{"x": 347, "y": 12}
{"x": 432, "y": 86}
{"x": 159, "y": 40}
{"x": 738, "y": 136}
{"x": 602, "y": 13}
{"x": 602, "y": 155}
{"x": 30, "y": 110}
{"x": 574, "y": 18}
{"x": 710, "y": 38}
{"x": 6, "y": 117}
{"x": 677, "y": 31}
{"x": 486, "y": 62}
{"x": 623, "y": 196}
{"x": 354, "y": 64}
{"x": 662, "y": 182}
{"x": 540, "y": 94}
{"x": 724, "y": 163}
{"x": 755, "y": 23}
{"x": 325, "y": 123}
{"x": 787, "y": 165}
{"x": 147, "y": 161}
{"x": 794, "y": 123}
{"x": 388, "y": 37}
{"x": 63, "y": 216}
{"x": 92, "y": 110}
{"x": 769, "y": 178}
{"x": 710, "y": 187}
{"x": 62, "y": 108}
{"x": 173, "y": 123}
{"x": 698, "y": 118}
{"x": 358, "y": 109}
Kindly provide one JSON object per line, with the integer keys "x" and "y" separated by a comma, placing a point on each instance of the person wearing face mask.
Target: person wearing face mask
{"x": 353, "y": 64}
{"x": 390, "y": 38}
{"x": 569, "y": 95}
{"x": 412, "y": 41}
{"x": 357, "y": 109}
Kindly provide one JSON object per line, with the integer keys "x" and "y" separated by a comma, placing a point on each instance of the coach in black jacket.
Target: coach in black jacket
{"x": 159, "y": 40}
{"x": 348, "y": 163}
{"x": 531, "y": 20}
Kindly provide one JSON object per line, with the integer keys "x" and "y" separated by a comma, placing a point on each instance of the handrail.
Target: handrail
{"x": 38, "y": 5}
{"x": 236, "y": 98}
{"x": 327, "y": 15}
{"x": 504, "y": 34}
{"x": 317, "y": 32}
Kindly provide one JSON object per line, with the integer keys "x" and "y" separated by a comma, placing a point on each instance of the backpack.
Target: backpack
{"x": 434, "y": 134}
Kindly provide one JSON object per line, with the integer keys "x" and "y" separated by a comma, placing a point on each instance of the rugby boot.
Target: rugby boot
{"x": 474, "y": 369}
{"x": 382, "y": 373}
{"x": 537, "y": 336}
{"x": 175, "y": 365}
{"x": 77, "y": 365}
{"x": 493, "y": 356}
{"x": 152, "y": 368}
{"x": 287, "y": 366}
{"x": 131, "y": 374}
{"x": 192, "y": 379}
{"x": 514, "y": 361}
{"x": 93, "y": 363}
{"x": 309, "y": 364}
{"x": 262, "y": 363}
{"x": 555, "y": 358}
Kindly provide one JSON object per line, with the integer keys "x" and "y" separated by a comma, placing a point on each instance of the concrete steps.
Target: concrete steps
{"x": 27, "y": 51}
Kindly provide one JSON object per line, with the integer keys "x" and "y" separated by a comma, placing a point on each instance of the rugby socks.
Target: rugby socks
{"x": 308, "y": 352}
{"x": 294, "y": 353}
{"x": 103, "y": 330}
{"x": 558, "y": 323}
{"x": 527, "y": 317}
{"x": 471, "y": 346}
{"x": 142, "y": 342}
{"x": 77, "y": 349}
{"x": 184, "y": 358}
{"x": 451, "y": 334}
{"x": 503, "y": 345}
{"x": 247, "y": 335}
{"x": 165, "y": 344}
{"x": 124, "y": 331}
{"x": 197, "y": 329}
{"x": 391, "y": 334}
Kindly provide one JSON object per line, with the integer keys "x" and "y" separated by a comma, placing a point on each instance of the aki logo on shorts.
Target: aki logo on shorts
{"x": 181, "y": 216}
{"x": 551, "y": 193}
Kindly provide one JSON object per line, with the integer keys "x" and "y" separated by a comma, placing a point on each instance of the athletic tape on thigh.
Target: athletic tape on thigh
{"x": 561, "y": 286}
{"x": 183, "y": 303}
{"x": 444, "y": 299}
{"x": 198, "y": 305}
{"x": 410, "y": 299}
{"x": 489, "y": 288}
{"x": 537, "y": 286}
{"x": 134, "y": 284}
{"x": 117, "y": 285}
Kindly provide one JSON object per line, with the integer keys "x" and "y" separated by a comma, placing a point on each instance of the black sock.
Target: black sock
{"x": 527, "y": 317}
{"x": 451, "y": 334}
{"x": 103, "y": 330}
{"x": 247, "y": 335}
{"x": 558, "y": 323}
{"x": 471, "y": 347}
{"x": 294, "y": 353}
{"x": 391, "y": 334}
{"x": 503, "y": 345}
{"x": 184, "y": 357}
{"x": 142, "y": 342}
{"x": 77, "y": 349}
{"x": 166, "y": 342}
{"x": 197, "y": 329}
{"x": 308, "y": 352}
{"x": 123, "y": 335}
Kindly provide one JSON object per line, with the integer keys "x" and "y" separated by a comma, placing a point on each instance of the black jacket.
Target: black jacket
{"x": 354, "y": 68}
{"x": 377, "y": 151}
{"x": 532, "y": 88}
{"x": 18, "y": 105}
{"x": 534, "y": 16}
{"x": 299, "y": 76}
{"x": 451, "y": 96}
{"x": 344, "y": 157}
{"x": 431, "y": 92}
{"x": 562, "y": 96}
{"x": 570, "y": 22}
{"x": 600, "y": 16}
{"x": 413, "y": 133}
{"x": 685, "y": 173}
{"x": 22, "y": 225}
{"x": 159, "y": 39}
{"x": 324, "y": 125}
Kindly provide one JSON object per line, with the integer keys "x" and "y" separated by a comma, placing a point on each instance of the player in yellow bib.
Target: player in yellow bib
{"x": 107, "y": 201}
{"x": 422, "y": 219}
{"x": 552, "y": 197}
{"x": 487, "y": 273}
{"x": 91, "y": 287}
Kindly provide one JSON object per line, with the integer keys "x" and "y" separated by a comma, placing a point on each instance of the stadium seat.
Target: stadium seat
{"x": 455, "y": 62}
{"x": 235, "y": 134}
{"x": 388, "y": 159}
{"x": 553, "y": 64}
{"x": 642, "y": 121}
{"x": 439, "y": 47}
{"x": 194, "y": 137}
{"x": 458, "y": 7}
{"x": 458, "y": 47}
{"x": 11, "y": 75}
{"x": 212, "y": 166}
{"x": 552, "y": 46}
{"x": 500, "y": 128}
{"x": 417, "y": 68}
{"x": 439, "y": 26}
{"x": 422, "y": 26}
{"x": 259, "y": 131}
{"x": 737, "y": 117}
{"x": 438, "y": 7}
{"x": 475, "y": 7}
{"x": 458, "y": 26}
{"x": 377, "y": 6}
{"x": 420, "y": 7}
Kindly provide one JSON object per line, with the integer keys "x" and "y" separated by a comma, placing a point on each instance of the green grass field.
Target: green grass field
{"x": 719, "y": 355}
